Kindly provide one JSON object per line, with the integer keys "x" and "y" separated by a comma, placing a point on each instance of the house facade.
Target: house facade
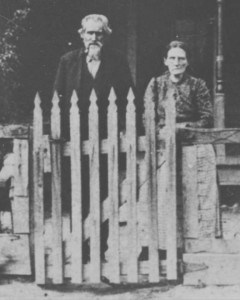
{"x": 49, "y": 237}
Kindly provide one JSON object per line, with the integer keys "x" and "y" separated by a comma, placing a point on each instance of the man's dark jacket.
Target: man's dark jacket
{"x": 73, "y": 74}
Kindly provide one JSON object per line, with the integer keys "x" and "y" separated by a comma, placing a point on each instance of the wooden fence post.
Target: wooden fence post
{"x": 76, "y": 181}
{"x": 56, "y": 191}
{"x": 95, "y": 259}
{"x": 171, "y": 202}
{"x": 113, "y": 194}
{"x": 38, "y": 192}
{"x": 151, "y": 175}
{"x": 131, "y": 139}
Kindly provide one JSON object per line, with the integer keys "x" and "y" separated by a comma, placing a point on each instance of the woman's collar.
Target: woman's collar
{"x": 184, "y": 77}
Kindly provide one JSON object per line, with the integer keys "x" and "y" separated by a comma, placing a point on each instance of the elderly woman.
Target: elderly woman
{"x": 193, "y": 103}
{"x": 193, "y": 109}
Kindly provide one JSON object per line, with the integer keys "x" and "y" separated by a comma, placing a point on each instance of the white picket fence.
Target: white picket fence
{"x": 58, "y": 240}
{"x": 140, "y": 206}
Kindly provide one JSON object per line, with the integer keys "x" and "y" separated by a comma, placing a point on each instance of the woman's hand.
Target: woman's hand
{"x": 182, "y": 125}
{"x": 184, "y": 134}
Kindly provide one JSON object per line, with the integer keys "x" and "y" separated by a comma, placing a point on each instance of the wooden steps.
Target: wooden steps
{"x": 228, "y": 169}
{"x": 229, "y": 175}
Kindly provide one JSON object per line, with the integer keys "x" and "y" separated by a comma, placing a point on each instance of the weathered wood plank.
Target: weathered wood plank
{"x": 171, "y": 188}
{"x": 95, "y": 273}
{"x": 14, "y": 131}
{"x": 113, "y": 183}
{"x": 76, "y": 181}
{"x": 198, "y": 136}
{"x": 20, "y": 199}
{"x": 211, "y": 269}
{"x": 208, "y": 198}
{"x": 151, "y": 165}
{"x": 210, "y": 136}
{"x": 38, "y": 193}
{"x": 190, "y": 192}
{"x": 20, "y": 150}
{"x": 192, "y": 137}
{"x": 132, "y": 180}
{"x": 104, "y": 145}
{"x": 56, "y": 191}
{"x": 20, "y": 214}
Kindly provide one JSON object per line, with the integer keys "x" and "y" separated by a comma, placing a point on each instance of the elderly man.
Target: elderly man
{"x": 97, "y": 66}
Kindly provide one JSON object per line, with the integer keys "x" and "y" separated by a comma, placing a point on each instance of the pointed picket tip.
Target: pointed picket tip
{"x": 93, "y": 96}
{"x": 55, "y": 98}
{"x": 37, "y": 121}
{"x": 74, "y": 98}
{"x": 37, "y": 99}
{"x": 112, "y": 95}
{"x": 130, "y": 95}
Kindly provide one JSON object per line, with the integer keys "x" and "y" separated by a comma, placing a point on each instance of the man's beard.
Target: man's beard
{"x": 94, "y": 51}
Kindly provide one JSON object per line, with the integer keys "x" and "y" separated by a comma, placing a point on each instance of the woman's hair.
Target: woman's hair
{"x": 176, "y": 44}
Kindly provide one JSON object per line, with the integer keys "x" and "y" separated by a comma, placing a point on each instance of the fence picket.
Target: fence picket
{"x": 95, "y": 260}
{"x": 132, "y": 180}
{"x": 20, "y": 201}
{"x": 151, "y": 175}
{"x": 76, "y": 181}
{"x": 56, "y": 191}
{"x": 171, "y": 241}
{"x": 39, "y": 261}
{"x": 113, "y": 193}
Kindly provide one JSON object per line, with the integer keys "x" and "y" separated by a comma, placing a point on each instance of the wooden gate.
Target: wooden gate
{"x": 130, "y": 207}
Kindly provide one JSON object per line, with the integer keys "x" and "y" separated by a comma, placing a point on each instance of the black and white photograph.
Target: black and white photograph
{"x": 120, "y": 149}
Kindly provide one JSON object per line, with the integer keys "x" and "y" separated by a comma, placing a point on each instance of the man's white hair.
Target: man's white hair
{"x": 97, "y": 18}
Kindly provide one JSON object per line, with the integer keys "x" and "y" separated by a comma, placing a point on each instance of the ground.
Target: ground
{"x": 21, "y": 290}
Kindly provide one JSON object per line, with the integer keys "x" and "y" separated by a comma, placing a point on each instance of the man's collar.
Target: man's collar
{"x": 89, "y": 59}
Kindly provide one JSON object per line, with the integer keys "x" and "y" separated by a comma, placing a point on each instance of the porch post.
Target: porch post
{"x": 219, "y": 99}
{"x": 132, "y": 37}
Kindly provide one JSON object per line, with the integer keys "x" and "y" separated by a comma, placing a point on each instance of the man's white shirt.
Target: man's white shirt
{"x": 93, "y": 66}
